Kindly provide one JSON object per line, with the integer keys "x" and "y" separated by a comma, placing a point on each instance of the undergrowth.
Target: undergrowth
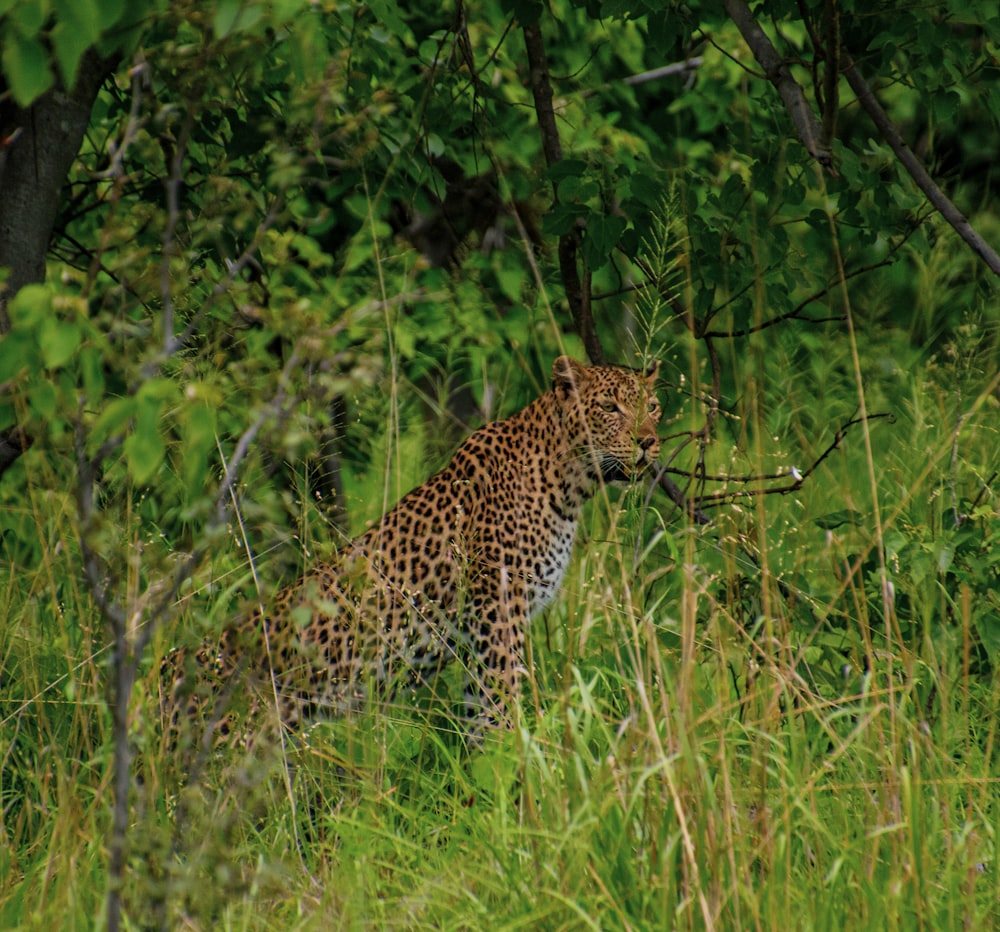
{"x": 741, "y": 726}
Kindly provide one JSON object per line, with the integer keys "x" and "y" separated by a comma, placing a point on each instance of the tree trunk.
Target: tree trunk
{"x": 37, "y": 148}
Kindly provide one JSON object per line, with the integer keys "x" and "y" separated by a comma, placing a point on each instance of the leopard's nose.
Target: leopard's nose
{"x": 648, "y": 443}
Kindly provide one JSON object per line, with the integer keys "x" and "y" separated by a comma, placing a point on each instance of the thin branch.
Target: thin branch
{"x": 831, "y": 73}
{"x": 128, "y": 652}
{"x": 685, "y": 67}
{"x": 680, "y": 67}
{"x": 577, "y": 291}
{"x": 796, "y": 312}
{"x": 694, "y": 506}
{"x": 541, "y": 91}
{"x": 97, "y": 581}
{"x": 141, "y": 77}
{"x": 278, "y": 406}
{"x": 918, "y": 173}
{"x": 777, "y": 72}
{"x": 983, "y": 492}
{"x": 798, "y": 477}
{"x": 121, "y": 681}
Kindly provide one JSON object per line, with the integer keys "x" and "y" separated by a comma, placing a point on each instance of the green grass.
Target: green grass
{"x": 699, "y": 746}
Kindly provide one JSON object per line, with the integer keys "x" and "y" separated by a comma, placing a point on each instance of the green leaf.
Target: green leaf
{"x": 525, "y": 12}
{"x": 109, "y": 13}
{"x": 561, "y": 218}
{"x": 8, "y": 415}
{"x": 578, "y": 189}
{"x": 28, "y": 16}
{"x": 43, "y": 399}
{"x": 122, "y": 24}
{"x": 59, "y": 340}
{"x": 235, "y": 16}
{"x": 144, "y": 447}
{"x": 70, "y": 43}
{"x": 837, "y": 519}
{"x": 602, "y": 236}
{"x": 284, "y": 10}
{"x": 26, "y": 67}
{"x": 112, "y": 419}
{"x": 199, "y": 438}
{"x": 92, "y": 368}
{"x": 566, "y": 168}
{"x": 83, "y": 16}
{"x": 387, "y": 14}
{"x": 31, "y": 305}
{"x": 988, "y": 629}
{"x": 226, "y": 14}
{"x": 18, "y": 351}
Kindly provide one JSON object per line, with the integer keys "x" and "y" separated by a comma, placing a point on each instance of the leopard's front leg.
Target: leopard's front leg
{"x": 498, "y": 618}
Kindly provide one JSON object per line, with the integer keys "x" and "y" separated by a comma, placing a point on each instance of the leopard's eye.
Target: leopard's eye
{"x": 653, "y": 406}
{"x": 608, "y": 406}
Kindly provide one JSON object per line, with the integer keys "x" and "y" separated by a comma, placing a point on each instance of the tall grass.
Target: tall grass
{"x": 720, "y": 728}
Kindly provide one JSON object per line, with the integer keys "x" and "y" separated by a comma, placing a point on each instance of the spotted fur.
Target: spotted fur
{"x": 458, "y": 567}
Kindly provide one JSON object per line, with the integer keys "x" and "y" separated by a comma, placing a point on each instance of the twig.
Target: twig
{"x": 777, "y": 72}
{"x": 796, "y": 312}
{"x": 977, "y": 501}
{"x": 666, "y": 71}
{"x": 140, "y": 74}
{"x": 680, "y": 67}
{"x": 918, "y": 173}
{"x": 799, "y": 478}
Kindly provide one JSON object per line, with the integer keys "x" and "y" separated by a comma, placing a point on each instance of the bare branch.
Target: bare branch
{"x": 798, "y": 478}
{"x": 685, "y": 67}
{"x": 140, "y": 75}
{"x": 912, "y": 164}
{"x": 680, "y": 67}
{"x": 777, "y": 72}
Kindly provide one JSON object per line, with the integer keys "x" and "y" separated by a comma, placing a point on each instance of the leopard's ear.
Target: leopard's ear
{"x": 651, "y": 372}
{"x": 568, "y": 376}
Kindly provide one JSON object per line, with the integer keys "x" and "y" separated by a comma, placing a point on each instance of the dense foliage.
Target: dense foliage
{"x": 305, "y": 246}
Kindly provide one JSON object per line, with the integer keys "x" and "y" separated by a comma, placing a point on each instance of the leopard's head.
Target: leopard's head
{"x": 611, "y": 414}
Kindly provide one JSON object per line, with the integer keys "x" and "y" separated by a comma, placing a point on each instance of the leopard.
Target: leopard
{"x": 453, "y": 573}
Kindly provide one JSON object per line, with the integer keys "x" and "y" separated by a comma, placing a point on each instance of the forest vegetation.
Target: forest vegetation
{"x": 264, "y": 264}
